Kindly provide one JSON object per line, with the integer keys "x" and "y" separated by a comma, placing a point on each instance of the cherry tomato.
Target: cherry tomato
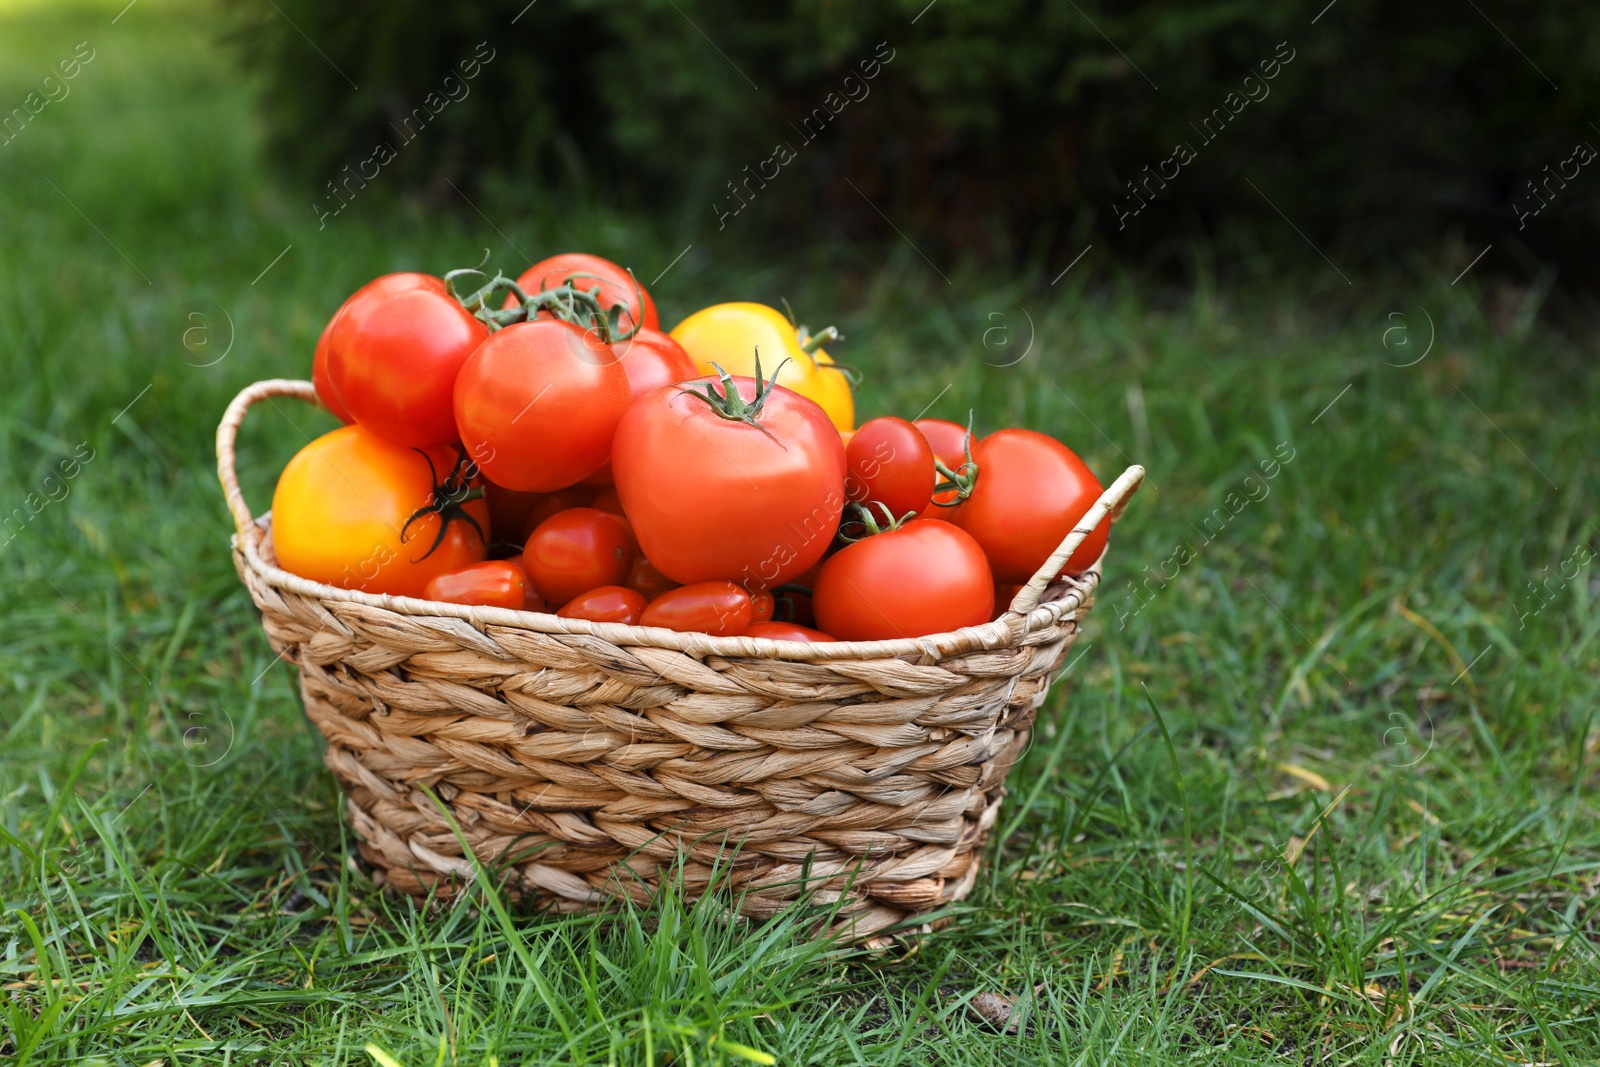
{"x": 1030, "y": 491}
{"x": 538, "y": 402}
{"x": 617, "y": 286}
{"x": 761, "y": 606}
{"x": 651, "y": 360}
{"x": 577, "y": 550}
{"x": 644, "y": 577}
{"x": 393, "y": 358}
{"x": 786, "y": 631}
{"x": 373, "y": 291}
{"x": 493, "y": 583}
{"x": 606, "y": 500}
{"x": 609, "y": 603}
{"x": 747, "y": 486}
{"x": 948, "y": 441}
{"x": 531, "y": 600}
{"x": 926, "y": 577}
{"x": 720, "y": 609}
{"x": 731, "y": 335}
{"x": 889, "y": 462}
{"x": 547, "y": 504}
{"x": 343, "y": 513}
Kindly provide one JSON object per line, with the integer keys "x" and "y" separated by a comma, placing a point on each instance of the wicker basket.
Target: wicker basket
{"x": 592, "y": 759}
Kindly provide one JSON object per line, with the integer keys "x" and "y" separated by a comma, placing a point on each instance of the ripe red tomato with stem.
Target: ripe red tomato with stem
{"x": 617, "y": 285}
{"x": 609, "y": 603}
{"x": 576, "y": 550}
{"x": 730, "y": 478}
{"x": 951, "y": 444}
{"x": 718, "y": 608}
{"x": 393, "y": 357}
{"x": 923, "y": 577}
{"x": 537, "y": 404}
{"x": 493, "y": 583}
{"x": 889, "y": 462}
{"x": 787, "y": 631}
{"x": 1028, "y": 492}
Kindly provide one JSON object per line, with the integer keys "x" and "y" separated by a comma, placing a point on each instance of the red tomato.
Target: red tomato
{"x": 510, "y": 511}
{"x": 531, "y": 600}
{"x": 609, "y": 603}
{"x": 1030, "y": 492}
{"x": 786, "y": 631}
{"x": 394, "y": 354}
{"x": 606, "y": 500}
{"x": 617, "y": 286}
{"x": 720, "y": 609}
{"x": 374, "y": 290}
{"x": 748, "y": 485}
{"x": 889, "y": 462}
{"x": 1004, "y": 594}
{"x": 494, "y": 584}
{"x": 547, "y": 504}
{"x": 948, "y": 441}
{"x": 651, "y": 360}
{"x": 644, "y": 577}
{"x": 538, "y": 402}
{"x": 577, "y": 550}
{"x": 762, "y": 605}
{"x": 319, "y": 376}
{"x": 794, "y": 606}
{"x": 926, "y": 577}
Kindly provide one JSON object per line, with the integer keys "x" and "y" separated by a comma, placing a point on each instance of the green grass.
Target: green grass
{"x": 1268, "y": 816}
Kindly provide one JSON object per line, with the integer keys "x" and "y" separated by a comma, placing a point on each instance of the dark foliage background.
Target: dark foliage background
{"x": 999, "y": 127}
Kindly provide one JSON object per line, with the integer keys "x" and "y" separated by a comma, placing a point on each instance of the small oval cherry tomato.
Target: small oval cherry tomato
{"x": 617, "y": 286}
{"x": 644, "y": 577}
{"x": 609, "y": 603}
{"x": 787, "y": 631}
{"x": 761, "y": 606}
{"x": 949, "y": 443}
{"x": 576, "y": 550}
{"x": 889, "y": 462}
{"x": 718, "y": 608}
{"x": 494, "y": 583}
{"x": 531, "y": 601}
{"x": 548, "y": 504}
{"x": 926, "y": 577}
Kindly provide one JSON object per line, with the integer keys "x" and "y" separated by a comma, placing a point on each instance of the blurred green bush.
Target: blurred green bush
{"x": 993, "y": 127}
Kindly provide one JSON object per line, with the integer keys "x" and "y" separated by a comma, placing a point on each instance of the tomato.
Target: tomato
{"x": 720, "y": 609}
{"x": 606, "y": 500}
{"x": 731, "y": 336}
{"x": 510, "y": 511}
{"x": 609, "y": 603}
{"x": 537, "y": 404}
{"x": 319, "y": 376}
{"x": 949, "y": 443}
{"x": 493, "y": 583}
{"x": 651, "y": 360}
{"x": 373, "y": 291}
{"x": 531, "y": 600}
{"x": 345, "y": 512}
{"x": 786, "y": 631}
{"x": 1029, "y": 492}
{"x": 644, "y": 577}
{"x": 1004, "y": 594}
{"x": 762, "y": 605}
{"x": 793, "y": 605}
{"x": 394, "y": 355}
{"x": 745, "y": 484}
{"x": 617, "y": 286}
{"x": 547, "y": 504}
{"x": 926, "y": 577}
{"x": 576, "y": 550}
{"x": 889, "y": 462}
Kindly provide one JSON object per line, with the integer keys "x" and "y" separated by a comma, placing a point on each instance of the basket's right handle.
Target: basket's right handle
{"x": 228, "y": 431}
{"x": 1112, "y": 499}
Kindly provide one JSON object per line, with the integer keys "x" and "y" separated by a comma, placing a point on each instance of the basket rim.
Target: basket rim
{"x": 1016, "y": 623}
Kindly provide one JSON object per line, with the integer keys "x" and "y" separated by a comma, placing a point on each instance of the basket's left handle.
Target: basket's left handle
{"x": 1111, "y": 501}
{"x": 228, "y": 431}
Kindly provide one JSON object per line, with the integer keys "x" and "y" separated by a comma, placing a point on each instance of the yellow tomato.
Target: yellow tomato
{"x": 730, "y": 335}
{"x": 342, "y": 505}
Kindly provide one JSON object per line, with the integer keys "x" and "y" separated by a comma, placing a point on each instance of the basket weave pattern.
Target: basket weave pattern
{"x": 590, "y": 760}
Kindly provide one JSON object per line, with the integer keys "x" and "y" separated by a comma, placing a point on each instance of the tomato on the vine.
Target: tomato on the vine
{"x": 608, "y": 603}
{"x": 889, "y": 462}
{"x": 617, "y": 286}
{"x": 949, "y": 442}
{"x": 493, "y": 583}
{"x": 720, "y": 609}
{"x": 745, "y": 483}
{"x": 925, "y": 577}
{"x": 576, "y": 550}
{"x": 356, "y": 511}
{"x": 393, "y": 357}
{"x": 732, "y": 336}
{"x": 538, "y": 402}
{"x": 1028, "y": 492}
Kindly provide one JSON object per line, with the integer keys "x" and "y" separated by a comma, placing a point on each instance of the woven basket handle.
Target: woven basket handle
{"x": 1110, "y": 504}
{"x": 228, "y": 431}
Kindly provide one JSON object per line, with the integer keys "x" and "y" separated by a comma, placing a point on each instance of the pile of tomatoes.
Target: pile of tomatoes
{"x": 540, "y": 444}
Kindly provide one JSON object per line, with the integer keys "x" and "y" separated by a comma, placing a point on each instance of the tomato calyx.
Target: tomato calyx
{"x": 963, "y": 479}
{"x": 729, "y": 405}
{"x": 450, "y": 498}
{"x": 566, "y": 302}
{"x": 868, "y": 523}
